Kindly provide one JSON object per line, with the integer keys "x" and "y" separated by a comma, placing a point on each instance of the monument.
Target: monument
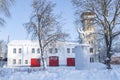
{"x": 82, "y": 55}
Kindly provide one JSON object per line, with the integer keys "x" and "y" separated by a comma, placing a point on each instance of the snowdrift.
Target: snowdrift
{"x": 98, "y": 72}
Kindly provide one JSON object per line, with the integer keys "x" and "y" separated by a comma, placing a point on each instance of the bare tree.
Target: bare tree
{"x": 3, "y": 49}
{"x": 43, "y": 25}
{"x": 4, "y": 8}
{"x": 107, "y": 18}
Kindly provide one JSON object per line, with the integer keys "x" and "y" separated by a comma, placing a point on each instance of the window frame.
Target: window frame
{"x": 33, "y": 50}
{"x": 38, "y": 50}
{"x": 68, "y": 50}
{"x": 14, "y": 50}
{"x": 91, "y": 50}
{"x": 56, "y": 50}
{"x": 50, "y": 50}
{"x": 19, "y": 61}
{"x": 73, "y": 50}
{"x": 26, "y": 61}
{"x": 20, "y": 50}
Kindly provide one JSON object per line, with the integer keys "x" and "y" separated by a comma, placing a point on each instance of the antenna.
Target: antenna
{"x": 8, "y": 39}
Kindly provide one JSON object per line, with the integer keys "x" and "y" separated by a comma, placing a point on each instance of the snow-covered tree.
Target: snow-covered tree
{"x": 107, "y": 19}
{"x": 43, "y": 26}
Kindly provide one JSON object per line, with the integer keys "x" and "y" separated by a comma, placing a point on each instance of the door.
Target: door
{"x": 35, "y": 62}
{"x": 70, "y": 61}
{"x": 53, "y": 61}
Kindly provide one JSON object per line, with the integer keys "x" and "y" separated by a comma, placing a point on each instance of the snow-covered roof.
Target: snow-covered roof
{"x": 22, "y": 42}
{"x": 35, "y": 42}
{"x": 116, "y": 55}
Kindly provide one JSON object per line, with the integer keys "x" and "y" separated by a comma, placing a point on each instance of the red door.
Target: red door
{"x": 35, "y": 62}
{"x": 70, "y": 61}
{"x": 53, "y": 61}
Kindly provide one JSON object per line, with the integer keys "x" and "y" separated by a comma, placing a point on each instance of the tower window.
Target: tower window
{"x": 91, "y": 59}
{"x": 91, "y": 50}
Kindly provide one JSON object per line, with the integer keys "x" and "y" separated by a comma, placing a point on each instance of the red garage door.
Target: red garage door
{"x": 53, "y": 61}
{"x": 35, "y": 62}
{"x": 70, "y": 61}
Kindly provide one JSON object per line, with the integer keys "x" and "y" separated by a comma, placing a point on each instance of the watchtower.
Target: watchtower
{"x": 88, "y": 28}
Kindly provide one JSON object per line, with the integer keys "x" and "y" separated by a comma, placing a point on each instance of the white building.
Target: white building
{"x": 27, "y": 53}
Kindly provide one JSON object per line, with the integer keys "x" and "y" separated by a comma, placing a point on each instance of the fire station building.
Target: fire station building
{"x": 27, "y": 53}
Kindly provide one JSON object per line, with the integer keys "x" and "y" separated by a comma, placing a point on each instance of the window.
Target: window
{"x": 50, "y": 50}
{"x": 68, "y": 50}
{"x": 38, "y": 50}
{"x": 73, "y": 50}
{"x": 14, "y": 61}
{"x": 91, "y": 59}
{"x": 56, "y": 50}
{"x": 26, "y": 61}
{"x": 91, "y": 50}
{"x": 14, "y": 50}
{"x": 33, "y": 50}
{"x": 20, "y": 50}
{"x": 19, "y": 62}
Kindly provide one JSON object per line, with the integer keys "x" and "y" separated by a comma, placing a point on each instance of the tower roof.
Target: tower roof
{"x": 87, "y": 13}
{"x": 87, "y": 16}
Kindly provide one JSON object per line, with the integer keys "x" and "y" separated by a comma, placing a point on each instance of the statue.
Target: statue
{"x": 81, "y": 35}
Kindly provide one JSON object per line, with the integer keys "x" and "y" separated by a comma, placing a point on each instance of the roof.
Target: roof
{"x": 116, "y": 55}
{"x": 88, "y": 13}
{"x": 35, "y": 42}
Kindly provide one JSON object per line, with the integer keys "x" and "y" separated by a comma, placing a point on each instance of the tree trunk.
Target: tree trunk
{"x": 108, "y": 59}
{"x": 43, "y": 61}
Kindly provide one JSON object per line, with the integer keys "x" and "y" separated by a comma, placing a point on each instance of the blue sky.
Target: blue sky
{"x": 21, "y": 12}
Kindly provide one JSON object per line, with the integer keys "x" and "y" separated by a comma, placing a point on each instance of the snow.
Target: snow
{"x": 116, "y": 55}
{"x": 98, "y": 72}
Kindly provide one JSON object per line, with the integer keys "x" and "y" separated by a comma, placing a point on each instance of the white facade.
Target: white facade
{"x": 20, "y": 52}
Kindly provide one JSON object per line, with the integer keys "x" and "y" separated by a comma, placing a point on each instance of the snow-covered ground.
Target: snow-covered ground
{"x": 98, "y": 72}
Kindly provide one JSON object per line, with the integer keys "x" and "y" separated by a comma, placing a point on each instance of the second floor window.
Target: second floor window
{"x": 73, "y": 50}
{"x": 50, "y": 50}
{"x": 38, "y": 50}
{"x": 20, "y": 50}
{"x": 33, "y": 50}
{"x": 56, "y": 50}
{"x": 14, "y": 50}
{"x": 68, "y": 50}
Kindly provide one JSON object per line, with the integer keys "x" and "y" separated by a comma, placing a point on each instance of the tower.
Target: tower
{"x": 88, "y": 28}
